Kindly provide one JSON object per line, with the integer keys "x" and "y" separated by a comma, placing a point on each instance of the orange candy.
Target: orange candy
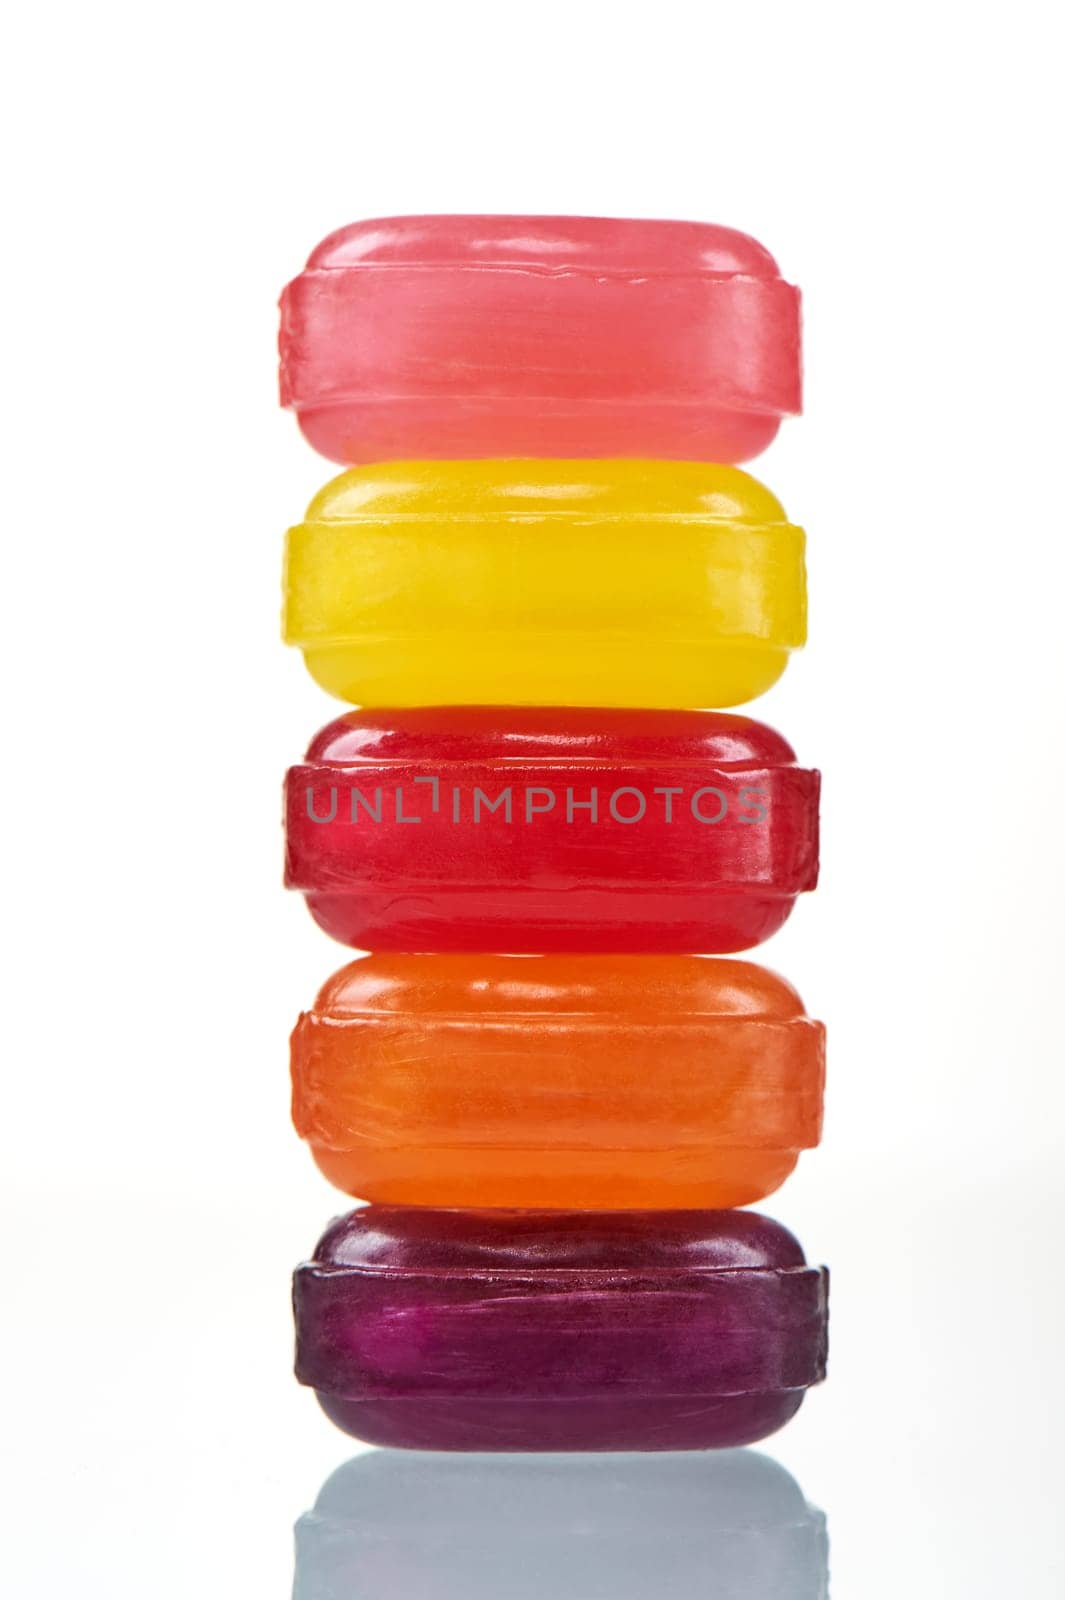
{"x": 559, "y": 1082}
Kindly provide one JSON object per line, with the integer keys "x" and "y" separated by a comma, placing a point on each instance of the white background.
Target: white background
{"x": 170, "y": 171}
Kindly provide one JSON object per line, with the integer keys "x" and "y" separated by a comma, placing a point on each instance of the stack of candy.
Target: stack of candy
{"x": 541, "y": 563}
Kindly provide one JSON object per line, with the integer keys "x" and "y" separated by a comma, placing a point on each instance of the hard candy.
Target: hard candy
{"x": 550, "y": 583}
{"x": 496, "y": 1330}
{"x": 557, "y": 1081}
{"x": 468, "y": 336}
{"x": 526, "y": 829}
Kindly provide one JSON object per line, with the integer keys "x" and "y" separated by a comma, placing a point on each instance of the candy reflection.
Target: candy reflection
{"x": 411, "y": 1525}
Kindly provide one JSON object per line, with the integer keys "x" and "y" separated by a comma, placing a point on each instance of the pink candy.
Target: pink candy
{"x": 459, "y": 337}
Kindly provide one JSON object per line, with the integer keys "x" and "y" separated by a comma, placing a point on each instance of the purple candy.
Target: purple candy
{"x": 547, "y": 1330}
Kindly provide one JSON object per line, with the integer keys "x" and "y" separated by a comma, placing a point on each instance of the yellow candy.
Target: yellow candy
{"x": 565, "y": 583}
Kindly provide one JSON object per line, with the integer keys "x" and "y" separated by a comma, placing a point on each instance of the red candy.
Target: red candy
{"x": 536, "y": 830}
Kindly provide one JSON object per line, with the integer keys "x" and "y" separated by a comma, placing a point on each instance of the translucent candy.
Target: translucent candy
{"x": 467, "y": 1330}
{"x": 521, "y": 829}
{"x": 558, "y": 583}
{"x": 470, "y": 336}
{"x": 557, "y": 1081}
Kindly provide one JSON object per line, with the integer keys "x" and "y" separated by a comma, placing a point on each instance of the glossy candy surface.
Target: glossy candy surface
{"x": 526, "y": 829}
{"x": 551, "y": 583}
{"x": 436, "y": 1329}
{"x": 469, "y": 336}
{"x": 420, "y": 1525}
{"x": 557, "y": 1081}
